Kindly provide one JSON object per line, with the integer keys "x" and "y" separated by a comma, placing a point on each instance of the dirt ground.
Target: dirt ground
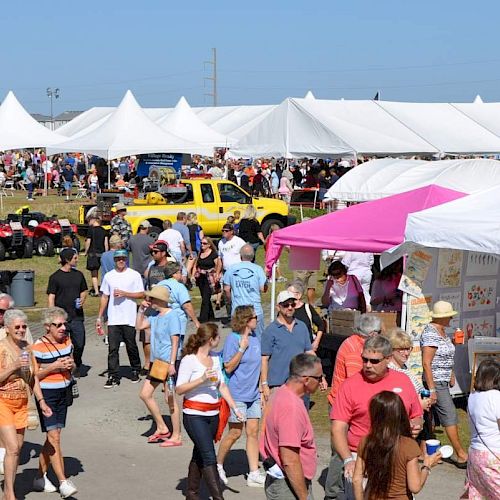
{"x": 106, "y": 453}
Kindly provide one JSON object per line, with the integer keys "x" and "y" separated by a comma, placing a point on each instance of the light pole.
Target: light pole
{"x": 51, "y": 93}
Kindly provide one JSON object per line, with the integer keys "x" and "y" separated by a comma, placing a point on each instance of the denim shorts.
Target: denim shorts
{"x": 68, "y": 185}
{"x": 249, "y": 410}
{"x": 56, "y": 400}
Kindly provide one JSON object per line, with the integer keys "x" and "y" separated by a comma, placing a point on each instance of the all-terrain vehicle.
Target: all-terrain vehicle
{"x": 47, "y": 232}
{"x": 14, "y": 241}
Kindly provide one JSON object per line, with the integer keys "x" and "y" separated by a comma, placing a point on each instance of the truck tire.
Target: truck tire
{"x": 154, "y": 232}
{"x": 266, "y": 226}
{"x": 76, "y": 243}
{"x": 45, "y": 247}
{"x": 2, "y": 251}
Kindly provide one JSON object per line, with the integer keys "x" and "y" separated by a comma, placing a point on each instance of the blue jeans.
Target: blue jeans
{"x": 202, "y": 429}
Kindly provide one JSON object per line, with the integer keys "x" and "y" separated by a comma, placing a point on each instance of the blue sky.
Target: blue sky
{"x": 94, "y": 51}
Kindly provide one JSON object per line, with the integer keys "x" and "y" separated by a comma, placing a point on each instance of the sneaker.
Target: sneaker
{"x": 105, "y": 340}
{"x": 222, "y": 474}
{"x": 134, "y": 378}
{"x": 67, "y": 488}
{"x": 256, "y": 479}
{"x": 122, "y": 344}
{"x": 44, "y": 484}
{"x": 111, "y": 382}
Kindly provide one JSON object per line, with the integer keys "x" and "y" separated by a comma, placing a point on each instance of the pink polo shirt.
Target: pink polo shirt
{"x": 353, "y": 400}
{"x": 288, "y": 424}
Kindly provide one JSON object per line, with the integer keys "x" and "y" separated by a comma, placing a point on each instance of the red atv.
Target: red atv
{"x": 14, "y": 241}
{"x": 47, "y": 232}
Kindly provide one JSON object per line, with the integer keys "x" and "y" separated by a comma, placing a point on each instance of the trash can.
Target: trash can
{"x": 22, "y": 288}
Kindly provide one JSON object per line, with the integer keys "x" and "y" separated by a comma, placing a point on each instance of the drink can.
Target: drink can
{"x": 459, "y": 336}
{"x": 425, "y": 393}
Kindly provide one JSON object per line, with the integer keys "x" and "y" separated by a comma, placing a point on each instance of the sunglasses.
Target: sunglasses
{"x": 58, "y": 325}
{"x": 318, "y": 378}
{"x": 204, "y": 242}
{"x": 252, "y": 317}
{"x": 20, "y": 327}
{"x": 120, "y": 258}
{"x": 288, "y": 305}
{"x": 404, "y": 349}
{"x": 373, "y": 361}
{"x": 155, "y": 251}
{"x": 226, "y": 230}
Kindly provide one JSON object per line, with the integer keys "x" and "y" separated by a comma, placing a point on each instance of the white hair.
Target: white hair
{"x": 12, "y": 315}
{"x": 6, "y": 296}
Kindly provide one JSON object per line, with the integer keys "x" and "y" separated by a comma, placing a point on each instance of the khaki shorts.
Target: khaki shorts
{"x": 309, "y": 278}
{"x": 14, "y": 412}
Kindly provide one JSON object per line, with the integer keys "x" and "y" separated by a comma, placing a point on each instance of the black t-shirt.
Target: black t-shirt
{"x": 208, "y": 262}
{"x": 97, "y": 237}
{"x": 248, "y": 230}
{"x": 155, "y": 275}
{"x": 67, "y": 286}
{"x": 301, "y": 314}
{"x": 68, "y": 174}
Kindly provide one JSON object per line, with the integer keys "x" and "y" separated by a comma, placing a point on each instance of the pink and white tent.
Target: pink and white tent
{"x": 374, "y": 226}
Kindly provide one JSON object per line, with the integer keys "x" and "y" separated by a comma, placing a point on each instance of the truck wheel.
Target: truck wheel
{"x": 28, "y": 249}
{"x": 154, "y": 232}
{"x": 45, "y": 247}
{"x": 266, "y": 225}
{"x": 76, "y": 243}
{"x": 2, "y": 251}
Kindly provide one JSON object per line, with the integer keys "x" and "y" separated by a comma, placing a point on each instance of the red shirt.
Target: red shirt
{"x": 347, "y": 363}
{"x": 353, "y": 399}
{"x": 288, "y": 424}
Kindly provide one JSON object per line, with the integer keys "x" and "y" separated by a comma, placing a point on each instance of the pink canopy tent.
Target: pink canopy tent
{"x": 373, "y": 226}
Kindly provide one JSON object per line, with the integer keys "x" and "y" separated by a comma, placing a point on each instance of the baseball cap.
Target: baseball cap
{"x": 160, "y": 245}
{"x": 120, "y": 253}
{"x": 119, "y": 206}
{"x": 171, "y": 268}
{"x": 145, "y": 224}
{"x": 67, "y": 254}
{"x": 284, "y": 296}
{"x": 228, "y": 226}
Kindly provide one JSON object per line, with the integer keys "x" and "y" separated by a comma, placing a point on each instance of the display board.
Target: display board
{"x": 469, "y": 281}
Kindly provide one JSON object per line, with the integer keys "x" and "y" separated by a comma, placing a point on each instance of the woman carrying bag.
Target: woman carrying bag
{"x": 201, "y": 383}
{"x": 165, "y": 328}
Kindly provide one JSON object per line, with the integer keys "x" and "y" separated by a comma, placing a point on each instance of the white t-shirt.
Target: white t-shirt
{"x": 192, "y": 368}
{"x": 229, "y": 251}
{"x": 358, "y": 263}
{"x": 122, "y": 310}
{"x": 173, "y": 238}
{"x": 484, "y": 411}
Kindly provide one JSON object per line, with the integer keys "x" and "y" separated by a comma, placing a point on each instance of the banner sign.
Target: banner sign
{"x": 158, "y": 160}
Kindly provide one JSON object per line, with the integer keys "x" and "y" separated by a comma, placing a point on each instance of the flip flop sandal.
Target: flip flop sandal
{"x": 158, "y": 438}
{"x": 170, "y": 444}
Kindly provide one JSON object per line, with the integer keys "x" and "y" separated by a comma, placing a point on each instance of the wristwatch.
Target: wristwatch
{"x": 240, "y": 349}
{"x": 348, "y": 459}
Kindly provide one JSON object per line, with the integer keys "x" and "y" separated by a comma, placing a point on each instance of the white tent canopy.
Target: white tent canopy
{"x": 289, "y": 131}
{"x": 398, "y": 176}
{"x": 127, "y": 131}
{"x": 18, "y": 129}
{"x": 92, "y": 118}
{"x": 183, "y": 122}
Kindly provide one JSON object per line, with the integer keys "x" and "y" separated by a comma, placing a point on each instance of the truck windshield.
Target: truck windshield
{"x": 233, "y": 194}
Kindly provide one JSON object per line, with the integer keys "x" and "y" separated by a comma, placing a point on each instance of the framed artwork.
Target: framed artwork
{"x": 479, "y": 327}
{"x": 480, "y": 295}
{"x": 449, "y": 270}
{"x": 419, "y": 314}
{"x": 455, "y": 299}
{"x": 417, "y": 267}
{"x": 481, "y": 264}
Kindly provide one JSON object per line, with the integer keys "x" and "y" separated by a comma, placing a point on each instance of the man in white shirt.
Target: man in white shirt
{"x": 120, "y": 288}
{"x": 230, "y": 246}
{"x": 360, "y": 264}
{"x": 174, "y": 239}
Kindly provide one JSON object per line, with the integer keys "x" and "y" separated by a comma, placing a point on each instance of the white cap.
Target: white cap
{"x": 284, "y": 296}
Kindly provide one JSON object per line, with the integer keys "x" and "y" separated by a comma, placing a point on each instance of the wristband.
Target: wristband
{"x": 348, "y": 459}
{"x": 40, "y": 400}
{"x": 240, "y": 349}
{"x": 264, "y": 383}
{"x": 432, "y": 390}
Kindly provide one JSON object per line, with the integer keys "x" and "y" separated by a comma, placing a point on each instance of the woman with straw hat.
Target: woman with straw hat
{"x": 165, "y": 328}
{"x": 438, "y": 355}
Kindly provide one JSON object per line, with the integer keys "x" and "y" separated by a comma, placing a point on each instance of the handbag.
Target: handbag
{"x": 159, "y": 369}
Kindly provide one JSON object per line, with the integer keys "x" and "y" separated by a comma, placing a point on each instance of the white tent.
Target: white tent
{"x": 398, "y": 176}
{"x": 289, "y": 131}
{"x": 92, "y": 118}
{"x": 486, "y": 114}
{"x": 366, "y": 127}
{"x": 443, "y": 126}
{"x": 127, "y": 131}
{"x": 18, "y": 129}
{"x": 309, "y": 96}
{"x": 183, "y": 122}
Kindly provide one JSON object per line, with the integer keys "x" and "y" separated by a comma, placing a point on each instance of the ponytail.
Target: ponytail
{"x": 205, "y": 333}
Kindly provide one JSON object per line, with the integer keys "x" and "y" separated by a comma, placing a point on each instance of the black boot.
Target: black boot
{"x": 193, "y": 483}
{"x": 211, "y": 476}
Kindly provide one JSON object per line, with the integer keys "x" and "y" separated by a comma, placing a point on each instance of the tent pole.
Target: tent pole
{"x": 273, "y": 290}
{"x": 109, "y": 174}
{"x": 404, "y": 312}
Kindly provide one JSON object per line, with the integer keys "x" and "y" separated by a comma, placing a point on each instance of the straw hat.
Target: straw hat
{"x": 442, "y": 309}
{"x": 159, "y": 292}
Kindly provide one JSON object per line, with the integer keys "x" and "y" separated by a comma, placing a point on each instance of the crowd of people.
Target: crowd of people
{"x": 259, "y": 381}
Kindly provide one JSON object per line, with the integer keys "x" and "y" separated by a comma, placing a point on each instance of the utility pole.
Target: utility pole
{"x": 212, "y": 78}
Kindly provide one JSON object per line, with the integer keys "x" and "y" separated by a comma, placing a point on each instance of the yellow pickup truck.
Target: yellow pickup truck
{"x": 213, "y": 200}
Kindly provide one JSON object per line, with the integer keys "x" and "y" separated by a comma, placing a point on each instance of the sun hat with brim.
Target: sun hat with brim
{"x": 158, "y": 292}
{"x": 443, "y": 309}
{"x": 120, "y": 253}
{"x": 119, "y": 207}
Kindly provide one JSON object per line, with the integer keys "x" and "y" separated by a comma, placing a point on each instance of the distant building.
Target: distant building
{"x": 59, "y": 120}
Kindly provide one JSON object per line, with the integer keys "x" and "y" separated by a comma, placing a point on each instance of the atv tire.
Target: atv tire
{"x": 45, "y": 247}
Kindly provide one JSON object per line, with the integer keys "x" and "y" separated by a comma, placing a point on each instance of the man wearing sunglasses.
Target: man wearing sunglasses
{"x": 350, "y": 416}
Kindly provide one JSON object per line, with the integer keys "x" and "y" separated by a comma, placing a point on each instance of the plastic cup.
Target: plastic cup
{"x": 432, "y": 446}
{"x": 446, "y": 451}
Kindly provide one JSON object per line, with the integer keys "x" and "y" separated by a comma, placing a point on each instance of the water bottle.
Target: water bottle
{"x": 170, "y": 393}
{"x": 25, "y": 356}
{"x": 78, "y": 303}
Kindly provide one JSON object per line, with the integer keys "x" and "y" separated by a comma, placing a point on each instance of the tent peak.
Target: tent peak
{"x": 309, "y": 95}
{"x": 478, "y": 99}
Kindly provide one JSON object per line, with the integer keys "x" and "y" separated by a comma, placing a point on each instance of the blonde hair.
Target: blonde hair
{"x": 398, "y": 338}
{"x": 249, "y": 213}
{"x": 192, "y": 218}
